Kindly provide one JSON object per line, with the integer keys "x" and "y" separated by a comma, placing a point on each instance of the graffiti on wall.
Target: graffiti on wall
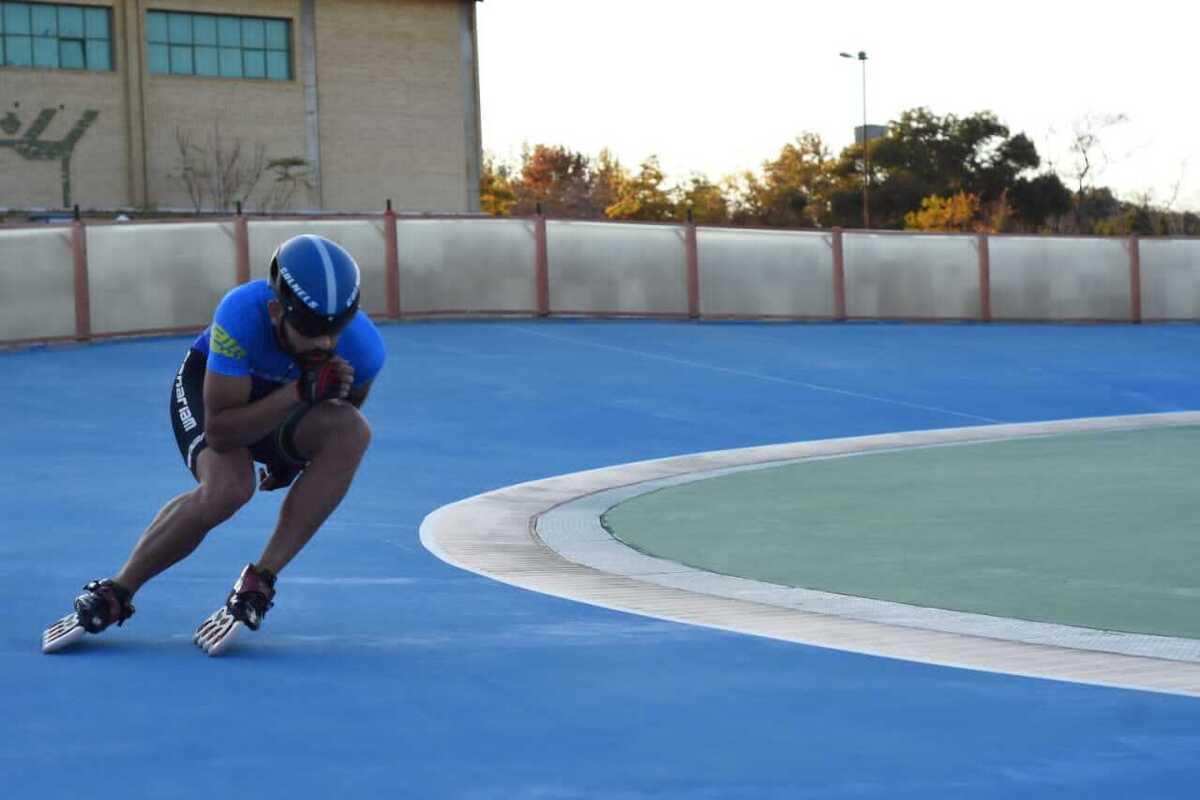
{"x": 30, "y": 144}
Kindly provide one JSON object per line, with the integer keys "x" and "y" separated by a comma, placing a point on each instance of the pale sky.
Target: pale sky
{"x": 719, "y": 87}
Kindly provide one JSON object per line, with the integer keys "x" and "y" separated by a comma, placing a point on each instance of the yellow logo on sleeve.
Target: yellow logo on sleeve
{"x": 224, "y": 344}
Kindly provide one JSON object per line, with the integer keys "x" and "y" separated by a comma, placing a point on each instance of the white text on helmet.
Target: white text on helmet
{"x": 296, "y": 288}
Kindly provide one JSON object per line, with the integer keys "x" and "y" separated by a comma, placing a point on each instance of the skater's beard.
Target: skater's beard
{"x": 309, "y": 356}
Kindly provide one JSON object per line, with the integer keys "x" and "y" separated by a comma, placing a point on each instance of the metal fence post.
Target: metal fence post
{"x": 985, "y": 279}
{"x": 392, "y": 247}
{"x": 83, "y": 304}
{"x": 241, "y": 240}
{"x": 1135, "y": 279}
{"x": 541, "y": 264}
{"x": 691, "y": 261}
{"x": 839, "y": 277}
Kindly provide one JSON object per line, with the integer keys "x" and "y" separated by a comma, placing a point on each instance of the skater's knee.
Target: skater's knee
{"x": 354, "y": 432}
{"x": 334, "y": 428}
{"x": 222, "y": 495}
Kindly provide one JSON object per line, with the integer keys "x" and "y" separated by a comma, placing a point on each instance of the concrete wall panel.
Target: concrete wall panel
{"x": 626, "y": 269}
{"x": 466, "y": 265}
{"x": 37, "y": 283}
{"x": 753, "y": 273}
{"x": 1059, "y": 279}
{"x": 147, "y": 277}
{"x": 152, "y": 276}
{"x": 1170, "y": 279}
{"x": 911, "y": 277}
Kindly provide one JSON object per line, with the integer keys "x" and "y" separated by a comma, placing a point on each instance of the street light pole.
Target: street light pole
{"x": 862, "y": 57}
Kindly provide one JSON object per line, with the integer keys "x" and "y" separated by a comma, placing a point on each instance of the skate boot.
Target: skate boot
{"x": 102, "y": 603}
{"x": 246, "y": 606}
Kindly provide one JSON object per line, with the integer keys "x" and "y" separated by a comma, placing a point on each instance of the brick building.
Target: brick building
{"x": 331, "y": 104}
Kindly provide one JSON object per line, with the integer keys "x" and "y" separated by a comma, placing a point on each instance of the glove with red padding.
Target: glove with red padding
{"x": 323, "y": 377}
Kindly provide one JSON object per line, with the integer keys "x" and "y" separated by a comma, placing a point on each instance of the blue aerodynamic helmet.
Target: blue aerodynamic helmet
{"x": 317, "y": 283}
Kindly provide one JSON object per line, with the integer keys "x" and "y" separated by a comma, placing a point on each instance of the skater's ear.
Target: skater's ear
{"x": 358, "y": 394}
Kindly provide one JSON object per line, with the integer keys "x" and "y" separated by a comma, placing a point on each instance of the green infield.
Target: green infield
{"x": 1100, "y": 530}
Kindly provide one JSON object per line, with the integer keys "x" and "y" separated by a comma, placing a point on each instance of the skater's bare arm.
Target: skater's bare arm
{"x": 231, "y": 420}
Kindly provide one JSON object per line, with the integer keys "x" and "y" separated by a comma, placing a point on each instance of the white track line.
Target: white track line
{"x": 741, "y": 373}
{"x": 496, "y": 534}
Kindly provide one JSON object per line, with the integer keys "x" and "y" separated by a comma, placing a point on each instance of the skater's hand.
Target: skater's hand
{"x": 269, "y": 481}
{"x": 324, "y": 377}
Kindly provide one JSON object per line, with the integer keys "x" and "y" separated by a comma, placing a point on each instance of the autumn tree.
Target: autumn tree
{"x": 708, "y": 201}
{"x": 608, "y": 181}
{"x": 496, "y": 193}
{"x": 794, "y": 189}
{"x": 974, "y": 154}
{"x": 928, "y": 171}
{"x": 642, "y": 196}
{"x": 924, "y": 155}
{"x": 959, "y": 212}
{"x": 555, "y": 177}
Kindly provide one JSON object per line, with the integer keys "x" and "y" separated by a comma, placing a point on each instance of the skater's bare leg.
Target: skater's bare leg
{"x": 226, "y": 484}
{"x": 334, "y": 435}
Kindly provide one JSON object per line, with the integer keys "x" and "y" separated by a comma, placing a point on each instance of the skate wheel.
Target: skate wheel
{"x": 62, "y": 634}
{"x": 217, "y": 632}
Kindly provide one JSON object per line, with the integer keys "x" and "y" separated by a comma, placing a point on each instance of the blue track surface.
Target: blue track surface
{"x": 385, "y": 671}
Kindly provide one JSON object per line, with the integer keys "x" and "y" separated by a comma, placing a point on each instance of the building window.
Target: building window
{"x": 219, "y": 46}
{"x": 55, "y": 36}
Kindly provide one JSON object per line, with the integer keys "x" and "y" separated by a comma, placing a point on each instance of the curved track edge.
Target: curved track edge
{"x": 525, "y": 535}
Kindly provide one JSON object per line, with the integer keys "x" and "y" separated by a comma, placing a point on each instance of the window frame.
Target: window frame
{"x": 214, "y": 49}
{"x": 52, "y": 49}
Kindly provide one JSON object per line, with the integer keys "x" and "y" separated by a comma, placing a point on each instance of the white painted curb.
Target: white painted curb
{"x": 530, "y": 535}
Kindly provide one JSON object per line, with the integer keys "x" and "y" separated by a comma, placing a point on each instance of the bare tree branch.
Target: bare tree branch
{"x": 1091, "y": 158}
{"x": 218, "y": 175}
